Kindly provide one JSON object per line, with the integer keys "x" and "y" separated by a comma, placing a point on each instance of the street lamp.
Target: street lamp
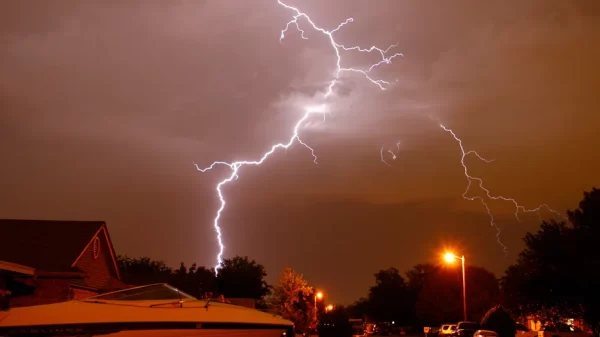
{"x": 319, "y": 296}
{"x": 449, "y": 257}
{"x": 329, "y": 308}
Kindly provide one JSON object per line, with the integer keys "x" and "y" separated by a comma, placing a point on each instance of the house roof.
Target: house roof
{"x": 45, "y": 245}
{"x": 16, "y": 268}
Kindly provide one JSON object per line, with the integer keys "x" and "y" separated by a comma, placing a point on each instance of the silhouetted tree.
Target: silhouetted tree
{"x": 440, "y": 299}
{"x": 541, "y": 281}
{"x": 416, "y": 278}
{"x": 555, "y": 276}
{"x": 499, "y": 320}
{"x": 201, "y": 282}
{"x": 586, "y": 255}
{"x": 143, "y": 270}
{"x": 387, "y": 298}
{"x": 358, "y": 309}
{"x": 335, "y": 324}
{"x": 240, "y": 277}
{"x": 180, "y": 278}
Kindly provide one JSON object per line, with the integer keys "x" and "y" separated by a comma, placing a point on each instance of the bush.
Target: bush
{"x": 497, "y": 319}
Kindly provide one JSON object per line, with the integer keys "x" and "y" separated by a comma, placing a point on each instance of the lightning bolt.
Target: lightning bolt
{"x": 479, "y": 182}
{"x": 382, "y": 158}
{"x": 393, "y": 154}
{"x": 295, "y": 137}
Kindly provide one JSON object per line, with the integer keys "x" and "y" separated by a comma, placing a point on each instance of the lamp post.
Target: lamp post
{"x": 319, "y": 296}
{"x": 449, "y": 257}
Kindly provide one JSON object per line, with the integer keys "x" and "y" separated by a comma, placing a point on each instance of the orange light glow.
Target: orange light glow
{"x": 319, "y": 295}
{"x": 449, "y": 257}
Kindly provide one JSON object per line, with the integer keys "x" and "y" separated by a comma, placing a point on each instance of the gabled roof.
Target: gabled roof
{"x": 103, "y": 231}
{"x": 45, "y": 245}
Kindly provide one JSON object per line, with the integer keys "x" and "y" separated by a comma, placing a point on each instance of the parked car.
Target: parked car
{"x": 465, "y": 329}
{"x": 433, "y": 332}
{"x": 447, "y": 329}
{"x": 485, "y": 333}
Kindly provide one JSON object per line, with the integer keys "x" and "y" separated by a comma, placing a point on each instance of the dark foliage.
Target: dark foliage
{"x": 556, "y": 277}
{"x": 440, "y": 299}
{"x": 499, "y": 320}
{"x": 241, "y": 277}
{"x": 388, "y": 299}
{"x": 430, "y": 295}
{"x": 417, "y": 278}
{"x": 358, "y": 309}
{"x": 335, "y": 324}
{"x": 238, "y": 278}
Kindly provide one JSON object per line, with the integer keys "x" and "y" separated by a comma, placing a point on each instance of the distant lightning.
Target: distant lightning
{"x": 382, "y": 158}
{"x": 479, "y": 182}
{"x": 393, "y": 154}
{"x": 295, "y": 137}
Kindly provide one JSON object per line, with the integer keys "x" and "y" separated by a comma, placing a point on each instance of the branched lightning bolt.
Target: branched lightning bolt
{"x": 339, "y": 47}
{"x": 479, "y": 182}
{"x": 392, "y": 153}
{"x": 237, "y": 165}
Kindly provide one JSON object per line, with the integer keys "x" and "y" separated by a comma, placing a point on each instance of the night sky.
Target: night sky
{"x": 106, "y": 106}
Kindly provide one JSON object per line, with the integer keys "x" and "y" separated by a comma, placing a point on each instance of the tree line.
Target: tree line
{"x": 239, "y": 277}
{"x": 554, "y": 278}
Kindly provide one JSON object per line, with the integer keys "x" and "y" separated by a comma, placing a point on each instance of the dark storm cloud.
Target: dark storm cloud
{"x": 106, "y": 106}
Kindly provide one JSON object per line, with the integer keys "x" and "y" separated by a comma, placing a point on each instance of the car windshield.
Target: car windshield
{"x": 144, "y": 293}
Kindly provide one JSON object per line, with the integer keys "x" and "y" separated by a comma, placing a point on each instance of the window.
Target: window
{"x": 96, "y": 247}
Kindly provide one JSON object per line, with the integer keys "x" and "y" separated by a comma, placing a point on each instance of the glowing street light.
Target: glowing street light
{"x": 318, "y": 296}
{"x": 329, "y": 308}
{"x": 450, "y": 257}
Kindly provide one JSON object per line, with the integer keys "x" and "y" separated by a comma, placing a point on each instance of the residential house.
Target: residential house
{"x": 45, "y": 261}
{"x": 572, "y": 324}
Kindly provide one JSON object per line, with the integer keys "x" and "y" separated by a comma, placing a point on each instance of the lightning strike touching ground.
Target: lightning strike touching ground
{"x": 471, "y": 179}
{"x": 322, "y": 110}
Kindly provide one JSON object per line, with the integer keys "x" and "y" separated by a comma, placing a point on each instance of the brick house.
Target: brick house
{"x": 45, "y": 262}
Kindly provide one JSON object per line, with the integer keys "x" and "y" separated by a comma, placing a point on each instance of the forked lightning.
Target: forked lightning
{"x": 309, "y": 111}
{"x": 323, "y": 109}
{"x": 479, "y": 182}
